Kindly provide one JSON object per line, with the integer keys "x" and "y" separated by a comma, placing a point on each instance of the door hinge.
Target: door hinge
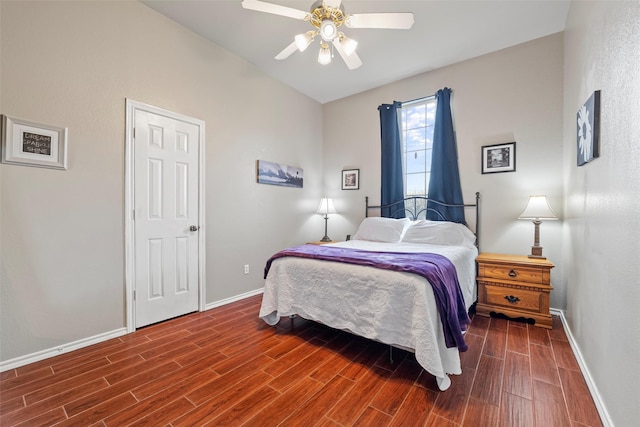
{"x": 134, "y": 295}
{"x": 134, "y": 133}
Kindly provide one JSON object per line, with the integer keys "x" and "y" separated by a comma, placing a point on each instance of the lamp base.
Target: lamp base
{"x": 326, "y": 237}
{"x": 536, "y": 252}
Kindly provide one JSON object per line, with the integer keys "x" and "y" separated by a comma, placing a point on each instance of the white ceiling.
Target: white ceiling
{"x": 444, "y": 32}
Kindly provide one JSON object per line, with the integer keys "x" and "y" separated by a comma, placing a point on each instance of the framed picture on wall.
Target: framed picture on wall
{"x": 588, "y": 132}
{"x": 351, "y": 179}
{"x": 279, "y": 174}
{"x": 32, "y": 144}
{"x": 499, "y": 158}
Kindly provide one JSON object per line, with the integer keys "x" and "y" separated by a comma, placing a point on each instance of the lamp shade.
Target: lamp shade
{"x": 538, "y": 209}
{"x": 324, "y": 56}
{"x": 326, "y": 207}
{"x": 348, "y": 45}
{"x": 304, "y": 40}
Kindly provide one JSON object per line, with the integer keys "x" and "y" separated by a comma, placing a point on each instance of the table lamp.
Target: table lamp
{"x": 326, "y": 207}
{"x": 537, "y": 210}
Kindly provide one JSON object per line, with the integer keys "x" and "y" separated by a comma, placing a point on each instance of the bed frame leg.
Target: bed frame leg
{"x": 291, "y": 317}
{"x": 391, "y": 354}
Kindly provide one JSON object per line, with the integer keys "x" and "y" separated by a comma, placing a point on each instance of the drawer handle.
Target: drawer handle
{"x": 511, "y": 299}
{"x": 512, "y": 273}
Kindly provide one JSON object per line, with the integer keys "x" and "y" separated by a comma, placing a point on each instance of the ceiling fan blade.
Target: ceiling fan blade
{"x": 400, "y": 21}
{"x": 276, "y": 9}
{"x": 332, "y": 3}
{"x": 352, "y": 60}
{"x": 287, "y": 51}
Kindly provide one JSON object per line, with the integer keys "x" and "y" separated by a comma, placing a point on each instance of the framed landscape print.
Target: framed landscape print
{"x": 499, "y": 158}
{"x": 277, "y": 174}
{"x": 588, "y": 129}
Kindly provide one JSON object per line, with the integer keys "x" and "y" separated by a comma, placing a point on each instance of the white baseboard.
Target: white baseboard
{"x": 229, "y": 300}
{"x": 593, "y": 389}
{"x": 64, "y": 348}
{"x": 85, "y": 342}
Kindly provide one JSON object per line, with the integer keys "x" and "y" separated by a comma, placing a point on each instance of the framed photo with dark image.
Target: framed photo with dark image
{"x": 351, "y": 179}
{"x": 33, "y": 144}
{"x": 499, "y": 158}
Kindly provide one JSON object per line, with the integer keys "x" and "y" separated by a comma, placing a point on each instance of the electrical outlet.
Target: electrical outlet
{"x": 246, "y": 269}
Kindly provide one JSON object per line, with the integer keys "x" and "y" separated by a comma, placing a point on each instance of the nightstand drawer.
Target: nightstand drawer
{"x": 520, "y": 299}
{"x": 514, "y": 272}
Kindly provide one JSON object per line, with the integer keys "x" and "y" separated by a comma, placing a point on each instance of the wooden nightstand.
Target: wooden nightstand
{"x": 516, "y": 286}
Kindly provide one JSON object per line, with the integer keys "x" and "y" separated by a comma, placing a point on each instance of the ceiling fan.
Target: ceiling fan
{"x": 327, "y": 16}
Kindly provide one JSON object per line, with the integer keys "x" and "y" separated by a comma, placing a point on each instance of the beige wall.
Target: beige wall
{"x": 602, "y": 226}
{"x": 511, "y": 95}
{"x": 62, "y": 233}
{"x": 62, "y": 243}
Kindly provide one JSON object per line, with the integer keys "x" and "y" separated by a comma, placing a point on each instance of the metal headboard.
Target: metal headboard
{"x": 416, "y": 206}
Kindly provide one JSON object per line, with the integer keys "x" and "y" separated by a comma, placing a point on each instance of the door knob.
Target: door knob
{"x": 194, "y": 228}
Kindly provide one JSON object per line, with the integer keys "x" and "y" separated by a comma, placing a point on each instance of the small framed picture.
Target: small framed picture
{"x": 351, "y": 179}
{"x": 499, "y": 158}
{"x": 32, "y": 144}
{"x": 588, "y": 129}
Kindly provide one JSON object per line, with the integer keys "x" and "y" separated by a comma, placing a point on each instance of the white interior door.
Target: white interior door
{"x": 165, "y": 217}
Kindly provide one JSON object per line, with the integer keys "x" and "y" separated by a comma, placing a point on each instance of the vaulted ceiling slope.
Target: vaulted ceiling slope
{"x": 444, "y": 32}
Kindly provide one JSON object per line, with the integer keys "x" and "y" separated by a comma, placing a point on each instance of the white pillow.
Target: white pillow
{"x": 438, "y": 233}
{"x": 379, "y": 229}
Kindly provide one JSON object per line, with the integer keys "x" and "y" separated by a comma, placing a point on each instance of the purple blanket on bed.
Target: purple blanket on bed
{"x": 437, "y": 269}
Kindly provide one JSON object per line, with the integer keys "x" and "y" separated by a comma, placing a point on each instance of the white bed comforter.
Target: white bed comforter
{"x": 395, "y": 308}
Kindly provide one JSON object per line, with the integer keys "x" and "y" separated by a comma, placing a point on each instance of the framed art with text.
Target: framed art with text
{"x": 499, "y": 158}
{"x": 32, "y": 144}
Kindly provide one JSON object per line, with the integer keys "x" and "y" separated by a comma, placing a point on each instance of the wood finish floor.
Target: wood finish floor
{"x": 226, "y": 367}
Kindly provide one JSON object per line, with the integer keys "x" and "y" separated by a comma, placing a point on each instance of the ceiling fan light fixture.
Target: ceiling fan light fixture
{"x": 348, "y": 45}
{"x": 304, "y": 40}
{"x": 324, "y": 57}
{"x": 326, "y": 17}
{"x": 328, "y": 30}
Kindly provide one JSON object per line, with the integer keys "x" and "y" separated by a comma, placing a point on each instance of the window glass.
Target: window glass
{"x": 417, "y": 120}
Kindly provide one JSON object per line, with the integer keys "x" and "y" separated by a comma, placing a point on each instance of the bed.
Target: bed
{"x": 342, "y": 285}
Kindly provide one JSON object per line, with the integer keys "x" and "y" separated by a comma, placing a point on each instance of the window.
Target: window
{"x": 416, "y": 132}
